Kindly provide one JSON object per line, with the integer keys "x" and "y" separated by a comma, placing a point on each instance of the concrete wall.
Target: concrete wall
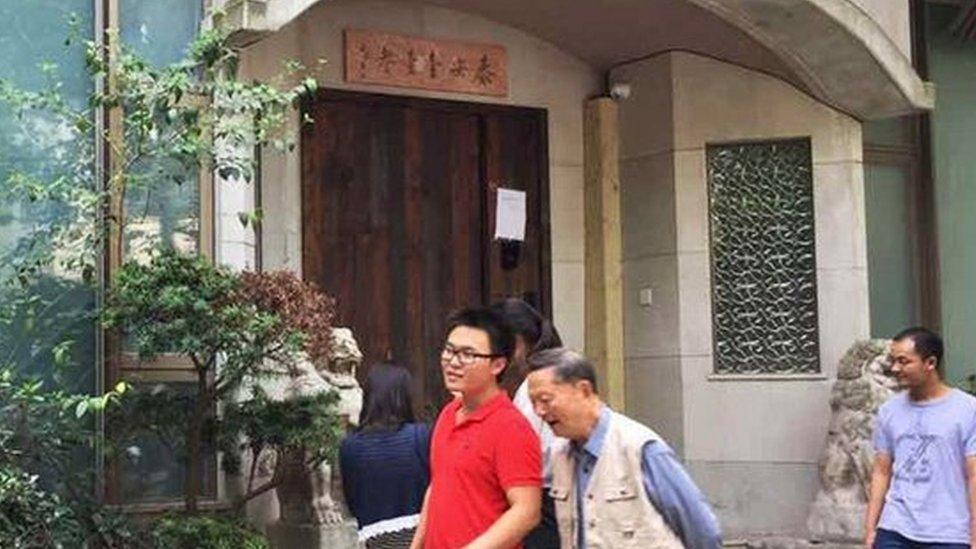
{"x": 894, "y": 17}
{"x": 540, "y": 76}
{"x": 751, "y": 444}
{"x": 649, "y": 226}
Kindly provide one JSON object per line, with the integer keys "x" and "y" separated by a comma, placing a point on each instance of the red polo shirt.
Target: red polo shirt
{"x": 471, "y": 466}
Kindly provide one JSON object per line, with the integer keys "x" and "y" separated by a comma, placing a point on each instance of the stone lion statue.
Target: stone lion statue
{"x": 340, "y": 373}
{"x": 306, "y": 496}
{"x": 864, "y": 383}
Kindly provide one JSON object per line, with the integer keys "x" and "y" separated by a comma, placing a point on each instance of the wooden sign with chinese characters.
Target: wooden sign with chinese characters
{"x": 439, "y": 65}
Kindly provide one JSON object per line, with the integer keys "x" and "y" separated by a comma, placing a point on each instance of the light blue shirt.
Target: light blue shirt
{"x": 668, "y": 486}
{"x": 928, "y": 499}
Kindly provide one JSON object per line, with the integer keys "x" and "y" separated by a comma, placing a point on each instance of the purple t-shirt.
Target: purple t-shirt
{"x": 928, "y": 441}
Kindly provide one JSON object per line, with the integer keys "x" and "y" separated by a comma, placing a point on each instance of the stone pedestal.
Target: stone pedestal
{"x": 313, "y": 536}
{"x": 779, "y": 542}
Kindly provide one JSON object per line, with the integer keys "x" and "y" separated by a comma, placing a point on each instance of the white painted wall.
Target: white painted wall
{"x": 235, "y": 245}
{"x": 651, "y": 333}
{"x": 753, "y": 445}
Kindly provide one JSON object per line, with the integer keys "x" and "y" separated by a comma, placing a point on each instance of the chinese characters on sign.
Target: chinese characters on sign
{"x": 440, "y": 65}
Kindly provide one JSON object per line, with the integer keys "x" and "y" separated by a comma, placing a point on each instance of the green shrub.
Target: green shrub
{"x": 258, "y": 325}
{"x": 32, "y": 518}
{"x": 49, "y": 433}
{"x": 201, "y": 532}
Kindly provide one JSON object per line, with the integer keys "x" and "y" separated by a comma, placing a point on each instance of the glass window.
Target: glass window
{"x": 163, "y": 206}
{"x": 153, "y": 462}
{"x": 764, "y": 283}
{"x": 160, "y": 30}
{"x": 54, "y": 308}
{"x": 162, "y": 210}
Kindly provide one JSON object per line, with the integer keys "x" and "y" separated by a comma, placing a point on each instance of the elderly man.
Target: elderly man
{"x": 616, "y": 483}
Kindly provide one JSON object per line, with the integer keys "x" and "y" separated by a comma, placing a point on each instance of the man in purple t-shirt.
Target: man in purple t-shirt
{"x": 924, "y": 480}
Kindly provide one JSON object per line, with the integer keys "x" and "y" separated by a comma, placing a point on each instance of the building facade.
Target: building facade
{"x": 703, "y": 78}
{"x": 722, "y": 196}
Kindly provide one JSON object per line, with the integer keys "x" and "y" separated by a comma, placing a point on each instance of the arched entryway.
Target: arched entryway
{"x": 835, "y": 50}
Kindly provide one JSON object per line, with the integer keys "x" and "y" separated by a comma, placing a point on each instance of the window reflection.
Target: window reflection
{"x": 53, "y": 307}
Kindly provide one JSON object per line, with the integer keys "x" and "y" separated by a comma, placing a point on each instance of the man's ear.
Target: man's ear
{"x": 585, "y": 387}
{"x": 498, "y": 365}
{"x": 932, "y": 363}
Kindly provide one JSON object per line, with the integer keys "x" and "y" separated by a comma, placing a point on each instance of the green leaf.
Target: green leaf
{"x": 61, "y": 353}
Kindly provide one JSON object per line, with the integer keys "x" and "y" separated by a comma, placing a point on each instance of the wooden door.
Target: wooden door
{"x": 397, "y": 207}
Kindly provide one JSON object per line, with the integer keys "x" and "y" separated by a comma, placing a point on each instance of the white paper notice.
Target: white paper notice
{"x": 510, "y": 215}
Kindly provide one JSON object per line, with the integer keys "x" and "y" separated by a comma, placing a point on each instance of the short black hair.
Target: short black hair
{"x": 567, "y": 365}
{"x": 927, "y": 343}
{"x": 500, "y": 337}
{"x": 526, "y": 321}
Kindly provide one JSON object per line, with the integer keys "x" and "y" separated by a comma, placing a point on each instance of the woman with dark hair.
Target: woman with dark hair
{"x": 385, "y": 463}
{"x": 533, "y": 333}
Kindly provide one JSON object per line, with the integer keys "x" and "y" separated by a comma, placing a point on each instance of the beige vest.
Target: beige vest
{"x": 616, "y": 508}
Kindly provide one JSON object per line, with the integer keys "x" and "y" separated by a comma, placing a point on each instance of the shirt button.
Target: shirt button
{"x": 592, "y": 524}
{"x": 589, "y": 496}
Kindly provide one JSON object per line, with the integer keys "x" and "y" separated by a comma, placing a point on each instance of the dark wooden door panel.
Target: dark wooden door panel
{"x": 443, "y": 230}
{"x": 512, "y": 159}
{"x": 397, "y": 208}
{"x": 352, "y": 163}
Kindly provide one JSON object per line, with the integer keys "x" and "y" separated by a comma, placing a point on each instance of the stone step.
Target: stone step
{"x": 782, "y": 542}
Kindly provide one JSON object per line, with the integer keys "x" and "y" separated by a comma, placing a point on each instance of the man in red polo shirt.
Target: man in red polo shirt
{"x": 485, "y": 463}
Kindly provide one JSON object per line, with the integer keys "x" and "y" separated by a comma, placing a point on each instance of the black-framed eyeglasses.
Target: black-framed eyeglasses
{"x": 465, "y": 356}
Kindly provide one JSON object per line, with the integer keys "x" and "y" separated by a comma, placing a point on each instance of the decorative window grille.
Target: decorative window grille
{"x": 764, "y": 283}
